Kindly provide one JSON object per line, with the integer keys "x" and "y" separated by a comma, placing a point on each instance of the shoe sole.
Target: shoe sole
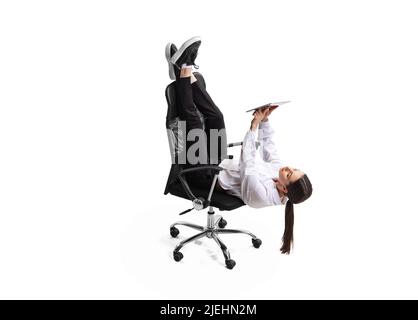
{"x": 170, "y": 65}
{"x": 180, "y": 51}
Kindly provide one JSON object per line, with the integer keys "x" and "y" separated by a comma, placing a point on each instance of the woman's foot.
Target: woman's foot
{"x": 170, "y": 50}
{"x": 187, "y": 53}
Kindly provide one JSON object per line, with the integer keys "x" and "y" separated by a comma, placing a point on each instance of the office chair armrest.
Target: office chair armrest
{"x": 211, "y": 167}
{"x": 236, "y": 144}
{"x": 186, "y": 186}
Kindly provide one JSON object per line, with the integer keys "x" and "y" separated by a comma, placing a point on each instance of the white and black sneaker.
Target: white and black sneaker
{"x": 171, "y": 49}
{"x": 187, "y": 53}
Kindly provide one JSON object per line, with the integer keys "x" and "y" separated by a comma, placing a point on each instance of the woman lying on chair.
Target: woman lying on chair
{"x": 259, "y": 181}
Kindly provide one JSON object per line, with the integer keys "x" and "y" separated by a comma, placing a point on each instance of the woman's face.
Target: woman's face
{"x": 287, "y": 175}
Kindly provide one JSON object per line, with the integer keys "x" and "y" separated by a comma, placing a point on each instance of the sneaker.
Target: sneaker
{"x": 171, "y": 49}
{"x": 187, "y": 53}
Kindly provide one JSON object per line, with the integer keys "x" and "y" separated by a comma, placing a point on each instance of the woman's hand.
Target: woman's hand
{"x": 258, "y": 117}
{"x": 269, "y": 111}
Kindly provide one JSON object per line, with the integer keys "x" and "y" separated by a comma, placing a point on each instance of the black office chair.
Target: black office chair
{"x": 177, "y": 185}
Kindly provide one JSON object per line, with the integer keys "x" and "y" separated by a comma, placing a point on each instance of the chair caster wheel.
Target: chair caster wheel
{"x": 230, "y": 264}
{"x": 177, "y": 256}
{"x": 174, "y": 232}
{"x": 257, "y": 243}
{"x": 222, "y": 223}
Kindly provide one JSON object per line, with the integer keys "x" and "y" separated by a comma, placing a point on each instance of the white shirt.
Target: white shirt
{"x": 251, "y": 177}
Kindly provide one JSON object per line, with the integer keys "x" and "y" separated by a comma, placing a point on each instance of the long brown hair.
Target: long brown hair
{"x": 297, "y": 192}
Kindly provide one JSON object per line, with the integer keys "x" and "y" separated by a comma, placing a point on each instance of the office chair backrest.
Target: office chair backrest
{"x": 176, "y": 137}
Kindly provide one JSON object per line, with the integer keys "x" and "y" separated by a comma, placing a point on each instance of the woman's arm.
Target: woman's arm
{"x": 253, "y": 192}
{"x": 268, "y": 150}
{"x": 248, "y": 150}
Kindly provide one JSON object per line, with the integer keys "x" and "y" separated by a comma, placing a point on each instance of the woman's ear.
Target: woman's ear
{"x": 284, "y": 189}
{"x": 279, "y": 185}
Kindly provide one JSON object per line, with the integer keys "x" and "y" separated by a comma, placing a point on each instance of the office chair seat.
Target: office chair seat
{"x": 220, "y": 199}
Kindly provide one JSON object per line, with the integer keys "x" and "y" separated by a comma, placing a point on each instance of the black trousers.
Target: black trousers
{"x": 192, "y": 97}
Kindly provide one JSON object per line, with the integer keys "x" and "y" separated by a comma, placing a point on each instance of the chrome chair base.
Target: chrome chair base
{"x": 215, "y": 226}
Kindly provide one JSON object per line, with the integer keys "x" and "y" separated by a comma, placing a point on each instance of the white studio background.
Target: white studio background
{"x": 84, "y": 155}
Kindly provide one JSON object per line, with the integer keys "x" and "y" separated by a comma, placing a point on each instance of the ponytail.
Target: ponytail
{"x": 297, "y": 192}
{"x": 288, "y": 228}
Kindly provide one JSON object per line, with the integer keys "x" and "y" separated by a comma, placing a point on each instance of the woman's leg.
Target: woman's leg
{"x": 213, "y": 120}
{"x": 213, "y": 115}
{"x": 184, "y": 94}
{"x": 188, "y": 112}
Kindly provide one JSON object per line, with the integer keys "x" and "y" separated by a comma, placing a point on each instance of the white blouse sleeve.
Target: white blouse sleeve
{"x": 267, "y": 148}
{"x": 253, "y": 192}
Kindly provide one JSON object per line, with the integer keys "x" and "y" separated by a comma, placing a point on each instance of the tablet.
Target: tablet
{"x": 271, "y": 104}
